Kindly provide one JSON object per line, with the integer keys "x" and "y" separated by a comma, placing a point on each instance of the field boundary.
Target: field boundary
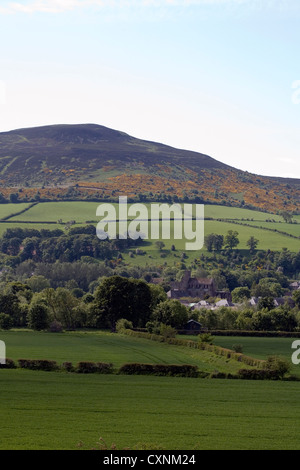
{"x": 240, "y": 222}
{"x": 218, "y": 350}
{"x": 6, "y": 219}
{"x": 249, "y": 333}
{"x": 139, "y": 368}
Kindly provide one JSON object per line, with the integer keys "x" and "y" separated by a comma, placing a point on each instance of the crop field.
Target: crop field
{"x": 103, "y": 346}
{"x": 49, "y": 410}
{"x": 60, "y": 410}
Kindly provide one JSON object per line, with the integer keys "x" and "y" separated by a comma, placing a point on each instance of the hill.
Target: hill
{"x": 89, "y": 161}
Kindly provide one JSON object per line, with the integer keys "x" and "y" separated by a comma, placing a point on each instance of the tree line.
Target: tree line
{"x": 215, "y": 242}
{"x": 114, "y": 298}
{"x": 143, "y": 304}
{"x": 51, "y": 245}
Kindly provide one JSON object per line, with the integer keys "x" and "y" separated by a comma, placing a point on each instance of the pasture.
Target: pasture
{"x": 7, "y": 210}
{"x": 82, "y": 211}
{"x": 220, "y": 220}
{"x": 293, "y": 229}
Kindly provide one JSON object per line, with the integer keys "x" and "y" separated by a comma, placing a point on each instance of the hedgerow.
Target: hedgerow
{"x": 169, "y": 370}
{"x": 269, "y": 334}
{"x": 86, "y": 367}
{"x": 258, "y": 374}
{"x": 38, "y": 364}
{"x": 9, "y": 364}
{"x": 218, "y": 350}
{"x": 173, "y": 370}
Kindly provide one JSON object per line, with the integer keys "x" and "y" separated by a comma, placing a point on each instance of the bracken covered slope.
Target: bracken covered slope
{"x": 92, "y": 161}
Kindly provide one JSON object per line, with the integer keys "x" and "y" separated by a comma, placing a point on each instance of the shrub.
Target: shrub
{"x": 202, "y": 374}
{"x": 238, "y": 348}
{"x": 38, "y": 364}
{"x": 9, "y": 364}
{"x": 153, "y": 327}
{"x": 56, "y": 327}
{"x": 67, "y": 366}
{"x": 123, "y": 324}
{"x": 258, "y": 374}
{"x": 182, "y": 370}
{"x": 218, "y": 375}
{"x": 277, "y": 365}
{"x": 167, "y": 331}
{"x": 205, "y": 338}
{"x": 86, "y": 367}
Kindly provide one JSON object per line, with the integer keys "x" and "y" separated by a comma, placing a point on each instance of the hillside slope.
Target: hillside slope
{"x": 92, "y": 161}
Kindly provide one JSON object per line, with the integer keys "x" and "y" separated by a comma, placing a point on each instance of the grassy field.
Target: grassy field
{"x": 107, "y": 347}
{"x": 235, "y": 213}
{"x": 53, "y": 211}
{"x": 261, "y": 348}
{"x": 41, "y": 410}
{"x": 293, "y": 229}
{"x": 59, "y": 410}
{"x": 41, "y": 215}
{"x": 82, "y": 211}
{"x": 10, "y": 209}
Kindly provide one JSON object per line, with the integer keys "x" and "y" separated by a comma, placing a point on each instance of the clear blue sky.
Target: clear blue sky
{"x": 214, "y": 76}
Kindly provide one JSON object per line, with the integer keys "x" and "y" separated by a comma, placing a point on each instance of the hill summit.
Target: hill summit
{"x": 93, "y": 161}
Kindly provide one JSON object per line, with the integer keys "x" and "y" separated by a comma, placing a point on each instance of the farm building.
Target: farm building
{"x": 193, "y": 326}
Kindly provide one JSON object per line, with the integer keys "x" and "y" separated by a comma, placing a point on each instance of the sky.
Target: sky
{"x": 220, "y": 77}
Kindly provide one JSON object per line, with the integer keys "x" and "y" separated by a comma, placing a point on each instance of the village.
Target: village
{"x": 201, "y": 293}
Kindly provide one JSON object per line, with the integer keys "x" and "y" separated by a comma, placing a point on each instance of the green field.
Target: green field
{"x": 60, "y": 410}
{"x": 261, "y": 348}
{"x": 293, "y": 229}
{"x": 267, "y": 239}
{"x": 53, "y": 211}
{"x": 9, "y": 209}
{"x": 235, "y": 213}
{"x": 42, "y": 410}
{"x": 103, "y": 346}
{"x": 82, "y": 211}
{"x": 47, "y": 215}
